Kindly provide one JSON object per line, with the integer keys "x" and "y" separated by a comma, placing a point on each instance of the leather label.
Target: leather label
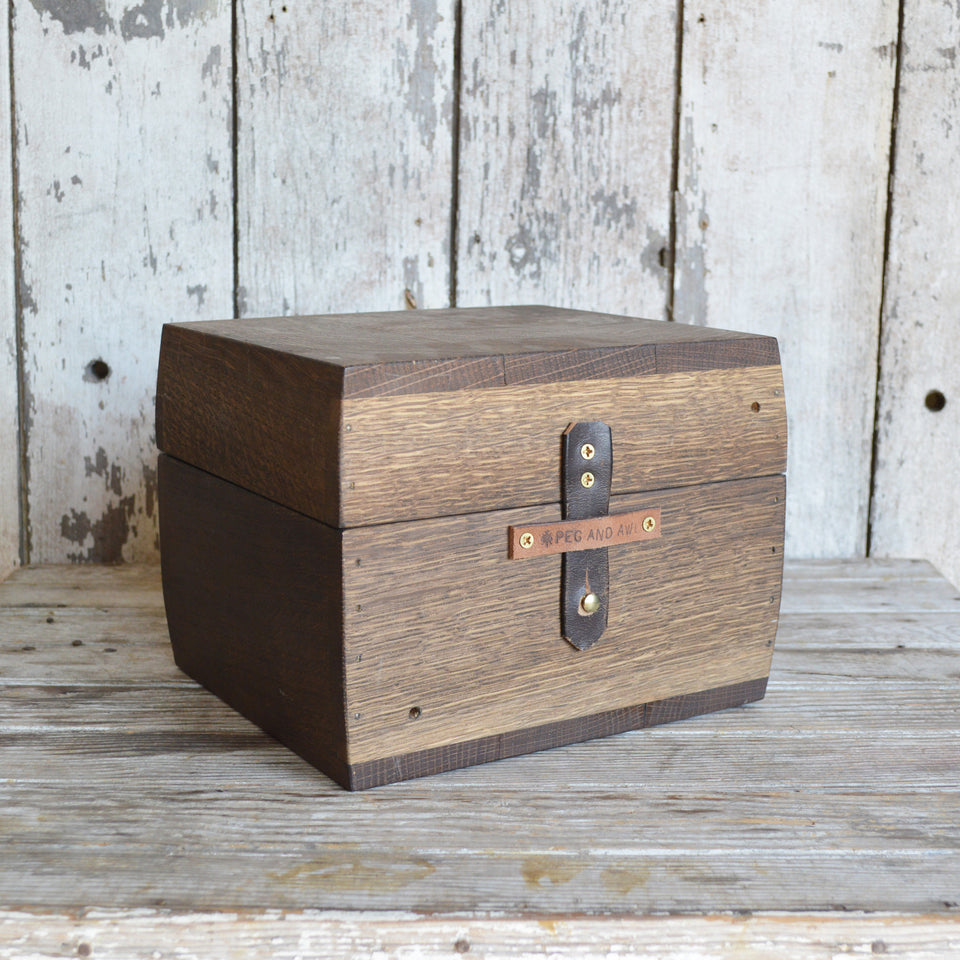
{"x": 562, "y": 536}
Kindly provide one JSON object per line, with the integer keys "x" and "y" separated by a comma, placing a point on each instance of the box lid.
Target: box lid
{"x": 356, "y": 419}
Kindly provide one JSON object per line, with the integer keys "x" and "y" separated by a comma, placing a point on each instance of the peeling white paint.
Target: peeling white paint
{"x": 9, "y": 429}
{"x": 123, "y": 126}
{"x": 916, "y": 511}
{"x": 344, "y": 130}
{"x": 565, "y": 154}
{"x": 780, "y": 223}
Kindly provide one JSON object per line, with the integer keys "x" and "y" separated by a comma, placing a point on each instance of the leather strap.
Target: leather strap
{"x": 587, "y": 472}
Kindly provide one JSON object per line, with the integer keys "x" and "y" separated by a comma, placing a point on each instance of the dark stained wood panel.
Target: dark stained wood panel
{"x": 253, "y": 599}
{"x": 685, "y": 355}
{"x": 266, "y": 420}
{"x": 369, "y": 339}
{"x": 404, "y": 377}
{"x": 584, "y": 364}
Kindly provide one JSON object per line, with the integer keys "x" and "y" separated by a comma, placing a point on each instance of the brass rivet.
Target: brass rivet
{"x": 588, "y": 480}
{"x": 587, "y": 451}
{"x": 649, "y": 524}
{"x": 526, "y": 540}
{"x": 590, "y": 603}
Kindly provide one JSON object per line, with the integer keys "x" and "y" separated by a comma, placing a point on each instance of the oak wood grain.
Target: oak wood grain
{"x": 260, "y": 402}
{"x": 442, "y": 646}
{"x": 471, "y": 639}
{"x": 375, "y": 773}
{"x": 441, "y": 454}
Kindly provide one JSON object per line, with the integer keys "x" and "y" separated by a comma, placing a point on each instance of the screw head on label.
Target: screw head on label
{"x": 526, "y": 540}
{"x": 590, "y": 603}
{"x": 649, "y": 524}
{"x": 588, "y": 480}
{"x": 587, "y": 451}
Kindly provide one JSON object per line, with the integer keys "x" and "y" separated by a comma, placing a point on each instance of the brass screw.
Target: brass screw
{"x": 587, "y": 451}
{"x": 526, "y": 540}
{"x": 588, "y": 480}
{"x": 590, "y": 603}
{"x": 649, "y": 524}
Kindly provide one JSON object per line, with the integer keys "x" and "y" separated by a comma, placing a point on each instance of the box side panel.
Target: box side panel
{"x": 411, "y": 457}
{"x": 253, "y": 598}
{"x": 448, "y": 641}
{"x": 263, "y": 419}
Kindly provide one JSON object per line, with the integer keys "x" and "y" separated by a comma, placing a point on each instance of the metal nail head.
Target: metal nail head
{"x": 587, "y": 451}
{"x": 649, "y": 524}
{"x": 590, "y": 603}
{"x": 526, "y": 540}
{"x": 588, "y": 480}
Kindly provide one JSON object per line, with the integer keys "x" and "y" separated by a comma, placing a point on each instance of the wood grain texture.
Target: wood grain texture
{"x": 529, "y": 340}
{"x": 58, "y": 585}
{"x": 266, "y": 420}
{"x": 241, "y": 582}
{"x": 369, "y": 935}
{"x": 254, "y": 601}
{"x": 9, "y": 339}
{"x": 257, "y": 402}
{"x": 423, "y": 763}
{"x": 836, "y": 794}
{"x": 345, "y": 151}
{"x": 124, "y": 211}
{"x": 439, "y": 454}
{"x": 784, "y": 134}
{"x": 566, "y": 122}
{"x": 915, "y": 510}
{"x": 467, "y": 637}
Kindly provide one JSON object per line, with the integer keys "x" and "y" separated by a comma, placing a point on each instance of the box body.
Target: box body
{"x": 335, "y": 495}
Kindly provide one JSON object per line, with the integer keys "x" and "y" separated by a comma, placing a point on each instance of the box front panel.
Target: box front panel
{"x": 447, "y": 640}
{"x": 444, "y": 454}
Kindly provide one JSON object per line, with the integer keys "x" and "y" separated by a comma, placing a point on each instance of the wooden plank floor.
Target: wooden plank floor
{"x": 139, "y": 816}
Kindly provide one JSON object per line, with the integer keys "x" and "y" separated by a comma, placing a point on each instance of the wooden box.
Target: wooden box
{"x": 378, "y": 529}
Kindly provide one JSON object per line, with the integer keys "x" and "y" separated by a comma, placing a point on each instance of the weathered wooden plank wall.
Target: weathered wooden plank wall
{"x": 472, "y": 151}
{"x": 124, "y": 215}
{"x": 566, "y": 130}
{"x": 9, "y": 351}
{"x": 916, "y": 510}
{"x": 784, "y": 135}
{"x": 345, "y": 170}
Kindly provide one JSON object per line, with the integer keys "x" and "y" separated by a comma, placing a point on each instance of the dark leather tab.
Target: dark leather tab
{"x": 587, "y": 472}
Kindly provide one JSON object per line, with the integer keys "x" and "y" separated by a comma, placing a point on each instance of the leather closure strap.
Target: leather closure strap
{"x": 587, "y": 472}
